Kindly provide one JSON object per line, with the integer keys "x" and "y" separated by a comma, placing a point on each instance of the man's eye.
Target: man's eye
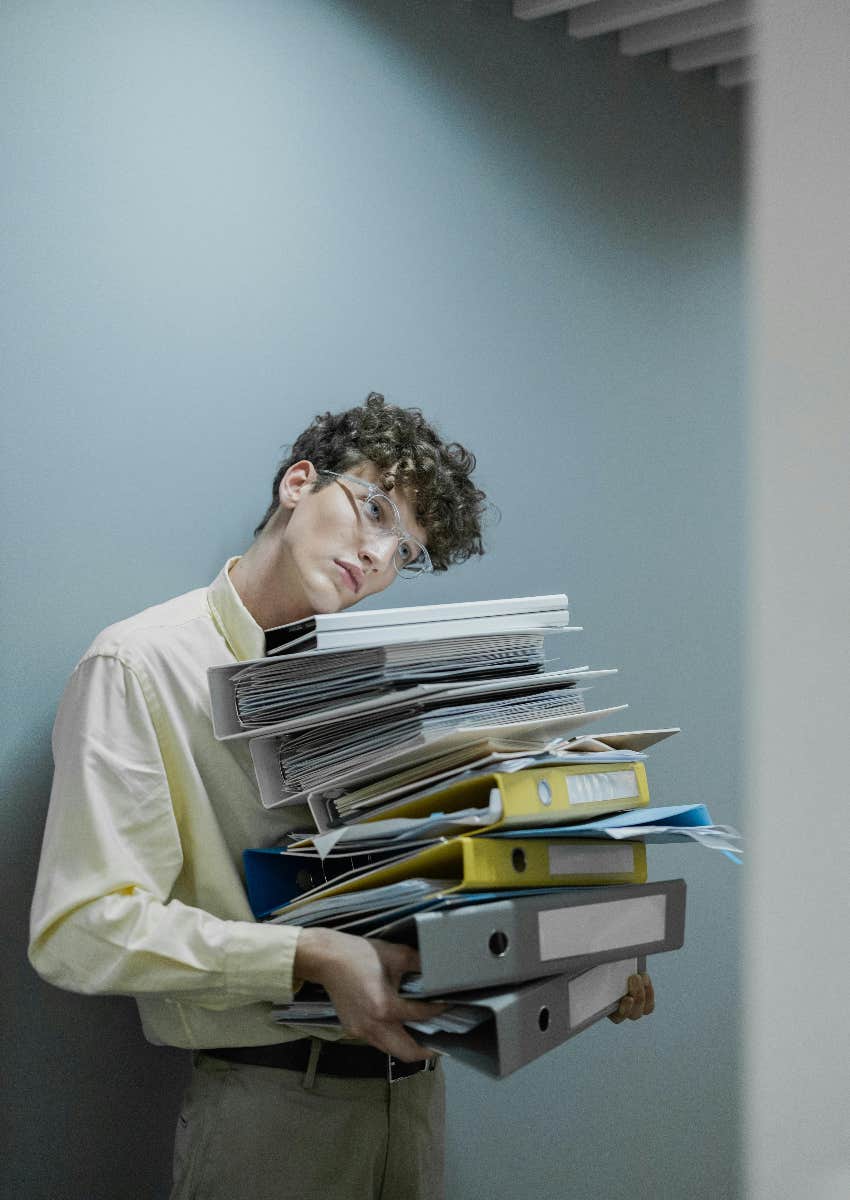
{"x": 372, "y": 509}
{"x": 411, "y": 553}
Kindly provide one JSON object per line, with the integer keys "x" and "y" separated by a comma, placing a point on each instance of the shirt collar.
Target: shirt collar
{"x": 241, "y": 632}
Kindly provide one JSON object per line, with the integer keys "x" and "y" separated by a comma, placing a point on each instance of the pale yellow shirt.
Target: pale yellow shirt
{"x": 140, "y": 888}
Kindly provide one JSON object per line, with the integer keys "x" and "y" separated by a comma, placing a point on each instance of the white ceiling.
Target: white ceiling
{"x": 695, "y": 35}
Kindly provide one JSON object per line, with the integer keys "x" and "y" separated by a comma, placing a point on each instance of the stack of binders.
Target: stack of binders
{"x": 455, "y": 808}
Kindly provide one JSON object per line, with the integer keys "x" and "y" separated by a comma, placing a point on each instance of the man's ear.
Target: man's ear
{"x": 296, "y": 482}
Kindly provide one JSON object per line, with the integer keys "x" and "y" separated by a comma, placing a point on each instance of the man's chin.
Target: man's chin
{"x": 328, "y": 597}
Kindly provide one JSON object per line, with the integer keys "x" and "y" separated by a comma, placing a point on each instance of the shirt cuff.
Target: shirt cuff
{"x": 260, "y": 960}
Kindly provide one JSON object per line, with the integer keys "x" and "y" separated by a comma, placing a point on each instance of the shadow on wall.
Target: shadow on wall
{"x": 513, "y": 95}
{"x": 97, "y": 1108}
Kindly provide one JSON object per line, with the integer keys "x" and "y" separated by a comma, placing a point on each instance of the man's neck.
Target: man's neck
{"x": 259, "y": 578}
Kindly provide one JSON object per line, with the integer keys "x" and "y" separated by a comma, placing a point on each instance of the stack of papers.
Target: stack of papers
{"x": 360, "y": 877}
{"x": 349, "y": 699}
{"x": 320, "y": 661}
{"x": 294, "y": 686}
{"x": 456, "y": 808}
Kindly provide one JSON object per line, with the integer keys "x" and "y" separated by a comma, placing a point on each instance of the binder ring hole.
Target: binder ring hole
{"x": 498, "y": 943}
{"x": 518, "y": 859}
{"x": 543, "y": 1019}
{"x": 544, "y": 793}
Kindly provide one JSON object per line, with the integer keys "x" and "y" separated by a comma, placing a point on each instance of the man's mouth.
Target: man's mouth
{"x": 352, "y": 575}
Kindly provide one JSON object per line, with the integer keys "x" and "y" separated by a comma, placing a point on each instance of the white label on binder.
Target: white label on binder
{"x": 590, "y": 928}
{"x": 567, "y": 858}
{"x": 602, "y": 785}
{"x": 598, "y": 989}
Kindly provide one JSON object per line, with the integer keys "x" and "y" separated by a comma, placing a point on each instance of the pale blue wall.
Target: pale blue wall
{"x": 221, "y": 217}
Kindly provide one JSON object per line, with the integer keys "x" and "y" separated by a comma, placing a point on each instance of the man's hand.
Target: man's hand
{"x": 638, "y": 1002}
{"x": 362, "y": 977}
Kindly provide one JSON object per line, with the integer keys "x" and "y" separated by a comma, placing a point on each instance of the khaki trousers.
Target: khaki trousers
{"x": 264, "y": 1134}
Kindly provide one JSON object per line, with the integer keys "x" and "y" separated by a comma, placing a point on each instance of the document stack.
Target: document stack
{"x": 456, "y": 807}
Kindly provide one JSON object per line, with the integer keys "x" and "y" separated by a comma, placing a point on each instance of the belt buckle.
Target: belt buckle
{"x": 429, "y": 1064}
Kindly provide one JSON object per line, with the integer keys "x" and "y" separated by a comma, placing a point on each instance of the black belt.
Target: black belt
{"x": 335, "y": 1058}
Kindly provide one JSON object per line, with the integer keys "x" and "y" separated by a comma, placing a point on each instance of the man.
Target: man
{"x": 140, "y": 888}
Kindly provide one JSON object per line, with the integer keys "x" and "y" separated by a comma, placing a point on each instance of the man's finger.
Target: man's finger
{"x": 399, "y": 961}
{"x": 623, "y": 1011}
{"x": 419, "y": 1010}
{"x": 638, "y": 996}
{"x": 395, "y": 1040}
{"x": 636, "y": 989}
{"x": 649, "y": 992}
{"x": 393, "y": 950}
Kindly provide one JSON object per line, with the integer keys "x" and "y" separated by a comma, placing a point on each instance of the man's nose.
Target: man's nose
{"x": 377, "y": 551}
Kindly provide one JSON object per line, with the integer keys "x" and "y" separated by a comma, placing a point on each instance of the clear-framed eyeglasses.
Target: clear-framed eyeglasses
{"x": 379, "y": 512}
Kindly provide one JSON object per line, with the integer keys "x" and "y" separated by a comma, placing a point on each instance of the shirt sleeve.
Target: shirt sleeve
{"x": 103, "y": 919}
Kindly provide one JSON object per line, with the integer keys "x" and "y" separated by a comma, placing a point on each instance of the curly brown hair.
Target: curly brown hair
{"x": 410, "y": 454}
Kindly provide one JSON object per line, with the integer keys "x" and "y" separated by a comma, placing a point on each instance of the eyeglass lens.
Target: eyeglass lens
{"x": 409, "y": 556}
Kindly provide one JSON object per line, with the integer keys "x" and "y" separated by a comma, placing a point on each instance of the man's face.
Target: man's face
{"x": 335, "y": 558}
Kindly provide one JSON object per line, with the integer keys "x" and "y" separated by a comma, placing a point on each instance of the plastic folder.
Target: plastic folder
{"x": 552, "y": 795}
{"x": 514, "y": 736}
{"x": 366, "y": 618}
{"x": 530, "y": 1020}
{"x": 527, "y": 937}
{"x": 371, "y": 799}
{"x": 476, "y": 863}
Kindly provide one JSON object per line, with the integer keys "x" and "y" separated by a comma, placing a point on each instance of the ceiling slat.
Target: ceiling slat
{"x": 607, "y": 16}
{"x": 530, "y": 10}
{"x": 707, "y": 52}
{"x": 695, "y": 33}
{"x": 737, "y": 73}
{"x": 721, "y": 17}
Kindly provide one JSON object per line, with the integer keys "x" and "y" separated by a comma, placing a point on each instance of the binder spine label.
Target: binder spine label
{"x": 567, "y": 858}
{"x": 591, "y": 928}
{"x": 602, "y": 785}
{"x": 599, "y": 988}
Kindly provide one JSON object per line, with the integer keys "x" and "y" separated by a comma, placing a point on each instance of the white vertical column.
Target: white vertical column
{"x": 797, "y": 967}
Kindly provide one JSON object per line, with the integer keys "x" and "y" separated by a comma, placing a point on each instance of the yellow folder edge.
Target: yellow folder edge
{"x": 491, "y": 864}
{"x": 532, "y": 797}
